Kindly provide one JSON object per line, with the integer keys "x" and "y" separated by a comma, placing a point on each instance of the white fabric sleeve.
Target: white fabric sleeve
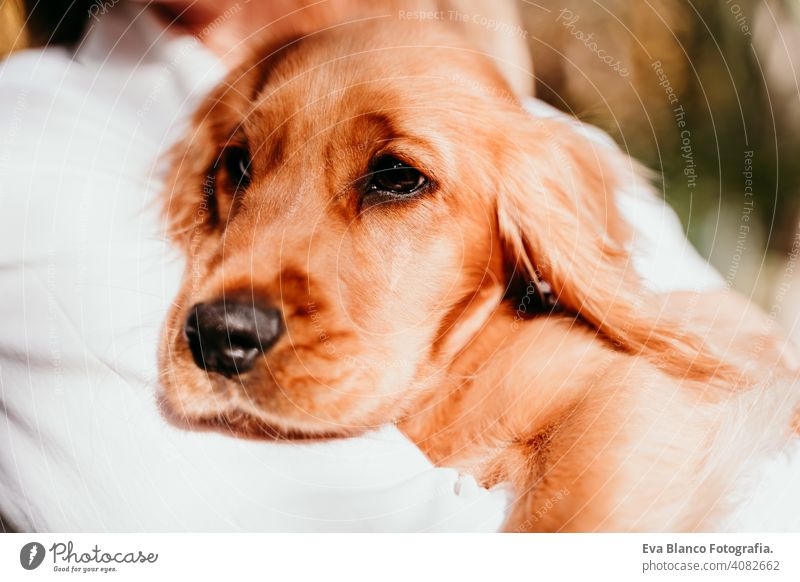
{"x": 86, "y": 279}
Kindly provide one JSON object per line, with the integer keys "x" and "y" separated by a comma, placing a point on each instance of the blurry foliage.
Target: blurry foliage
{"x": 734, "y": 65}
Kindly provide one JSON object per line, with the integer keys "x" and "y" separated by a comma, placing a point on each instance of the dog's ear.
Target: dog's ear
{"x": 560, "y": 227}
{"x": 189, "y": 199}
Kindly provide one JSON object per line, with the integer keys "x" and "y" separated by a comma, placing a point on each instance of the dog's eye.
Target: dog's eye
{"x": 391, "y": 176}
{"x": 236, "y": 161}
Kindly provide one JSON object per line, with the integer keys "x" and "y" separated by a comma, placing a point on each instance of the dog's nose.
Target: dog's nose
{"x": 227, "y": 337}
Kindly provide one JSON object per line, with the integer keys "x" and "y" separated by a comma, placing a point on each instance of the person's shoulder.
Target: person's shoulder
{"x": 35, "y": 69}
{"x": 35, "y": 82}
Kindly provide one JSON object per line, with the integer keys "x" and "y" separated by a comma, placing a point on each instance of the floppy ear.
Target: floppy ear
{"x": 189, "y": 199}
{"x": 559, "y": 224}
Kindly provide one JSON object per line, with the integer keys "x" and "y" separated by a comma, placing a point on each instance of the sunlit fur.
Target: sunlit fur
{"x": 624, "y": 410}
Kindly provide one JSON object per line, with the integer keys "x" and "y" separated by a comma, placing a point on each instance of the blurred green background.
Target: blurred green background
{"x": 734, "y": 68}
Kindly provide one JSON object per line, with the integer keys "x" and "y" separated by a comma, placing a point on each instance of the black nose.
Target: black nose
{"x": 227, "y": 337}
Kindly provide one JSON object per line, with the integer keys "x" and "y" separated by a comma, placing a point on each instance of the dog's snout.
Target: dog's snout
{"x": 227, "y": 337}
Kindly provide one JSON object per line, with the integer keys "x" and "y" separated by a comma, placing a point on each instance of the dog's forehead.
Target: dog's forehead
{"x": 323, "y": 111}
{"x": 374, "y": 63}
{"x": 320, "y": 99}
{"x": 333, "y": 92}
{"x": 330, "y": 131}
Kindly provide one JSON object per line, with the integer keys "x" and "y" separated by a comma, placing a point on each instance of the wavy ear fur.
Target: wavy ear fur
{"x": 188, "y": 200}
{"x": 559, "y": 223}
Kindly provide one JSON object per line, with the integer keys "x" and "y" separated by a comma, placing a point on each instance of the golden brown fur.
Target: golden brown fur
{"x": 624, "y": 411}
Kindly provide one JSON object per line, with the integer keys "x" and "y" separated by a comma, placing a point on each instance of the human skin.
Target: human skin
{"x": 225, "y": 26}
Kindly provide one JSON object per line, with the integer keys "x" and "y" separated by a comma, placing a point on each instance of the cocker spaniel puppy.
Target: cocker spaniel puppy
{"x": 377, "y": 232}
